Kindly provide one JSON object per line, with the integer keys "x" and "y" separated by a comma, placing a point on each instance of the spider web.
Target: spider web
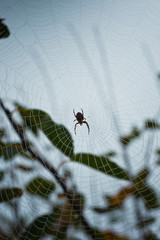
{"x": 101, "y": 57}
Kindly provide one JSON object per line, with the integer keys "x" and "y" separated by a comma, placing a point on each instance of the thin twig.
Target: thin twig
{"x": 89, "y": 230}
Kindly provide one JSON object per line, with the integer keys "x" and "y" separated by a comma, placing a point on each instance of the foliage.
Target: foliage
{"x": 4, "y": 31}
{"x": 102, "y": 164}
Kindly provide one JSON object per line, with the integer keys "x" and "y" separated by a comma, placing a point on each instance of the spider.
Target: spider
{"x": 80, "y": 118}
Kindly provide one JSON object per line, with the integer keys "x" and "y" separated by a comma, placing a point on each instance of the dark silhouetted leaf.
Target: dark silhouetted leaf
{"x": 149, "y": 196}
{"x": 144, "y": 191}
{"x": 101, "y": 164}
{"x": 55, "y": 224}
{"x": 4, "y": 31}
{"x": 2, "y": 132}
{"x": 7, "y": 194}
{"x": 120, "y": 197}
{"x": 98, "y": 234}
{"x": 111, "y": 154}
{"x": 100, "y": 210}
{"x": 10, "y": 150}
{"x": 150, "y": 236}
{"x": 58, "y": 135}
{"x": 151, "y": 124}
{"x": 158, "y": 152}
{"x": 40, "y": 227}
{"x": 141, "y": 177}
{"x": 40, "y": 186}
{"x": 145, "y": 222}
{"x": 24, "y": 168}
{"x": 78, "y": 199}
{"x": 158, "y": 75}
{"x": 158, "y": 161}
{"x": 127, "y": 139}
{"x": 1, "y": 175}
{"x": 110, "y": 235}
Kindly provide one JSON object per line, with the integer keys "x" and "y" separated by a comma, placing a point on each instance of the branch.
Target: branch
{"x": 43, "y": 161}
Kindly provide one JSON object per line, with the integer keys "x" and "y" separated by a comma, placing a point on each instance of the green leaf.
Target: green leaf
{"x": 110, "y": 154}
{"x": 54, "y": 224}
{"x": 145, "y": 222}
{"x": 78, "y": 199}
{"x": 100, "y": 210}
{"x": 41, "y": 187}
{"x": 1, "y": 175}
{"x": 158, "y": 151}
{"x": 4, "y": 31}
{"x": 11, "y": 150}
{"x": 24, "y": 168}
{"x": 40, "y": 227}
{"x": 127, "y": 139}
{"x": 149, "y": 196}
{"x": 101, "y": 164}
{"x": 58, "y": 135}
{"x": 150, "y": 236}
{"x": 151, "y": 124}
{"x": 141, "y": 177}
{"x": 7, "y": 194}
{"x": 2, "y": 132}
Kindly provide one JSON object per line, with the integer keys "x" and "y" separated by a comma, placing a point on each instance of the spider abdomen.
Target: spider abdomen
{"x": 79, "y": 116}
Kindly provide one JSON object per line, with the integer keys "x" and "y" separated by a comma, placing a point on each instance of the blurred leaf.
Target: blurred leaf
{"x": 54, "y": 224}
{"x": 67, "y": 174}
{"x": 61, "y": 196}
{"x": 41, "y": 187}
{"x": 4, "y": 235}
{"x": 127, "y": 139}
{"x": 110, "y": 154}
{"x": 158, "y": 162}
{"x": 110, "y": 235}
{"x": 1, "y": 175}
{"x": 120, "y": 197}
{"x": 101, "y": 164}
{"x": 99, "y": 234}
{"x": 40, "y": 227}
{"x": 145, "y": 222}
{"x": 150, "y": 236}
{"x": 58, "y": 135}
{"x": 78, "y": 199}
{"x": 7, "y": 194}
{"x": 151, "y": 124}
{"x": 4, "y": 31}
{"x": 141, "y": 177}
{"x": 24, "y": 168}
{"x": 144, "y": 191}
{"x": 158, "y": 152}
{"x": 158, "y": 75}
{"x": 2, "y": 132}
{"x": 117, "y": 200}
{"x": 149, "y": 196}
{"x": 11, "y": 150}
{"x": 73, "y": 238}
{"x": 100, "y": 210}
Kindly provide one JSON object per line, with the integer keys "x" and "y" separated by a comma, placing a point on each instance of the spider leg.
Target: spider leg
{"x": 87, "y": 126}
{"x": 75, "y": 127}
{"x": 82, "y": 112}
{"x": 74, "y": 113}
{"x": 75, "y": 120}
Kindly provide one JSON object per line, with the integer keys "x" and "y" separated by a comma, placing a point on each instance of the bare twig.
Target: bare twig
{"x": 27, "y": 147}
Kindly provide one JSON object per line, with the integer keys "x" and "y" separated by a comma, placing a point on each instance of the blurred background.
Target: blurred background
{"x": 101, "y": 56}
